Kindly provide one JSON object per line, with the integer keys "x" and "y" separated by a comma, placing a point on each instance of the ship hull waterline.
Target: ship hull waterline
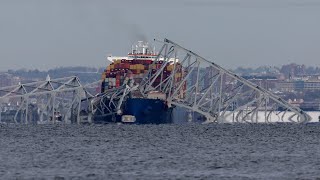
{"x": 145, "y": 111}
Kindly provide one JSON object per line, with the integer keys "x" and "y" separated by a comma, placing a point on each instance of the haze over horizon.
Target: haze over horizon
{"x": 43, "y": 34}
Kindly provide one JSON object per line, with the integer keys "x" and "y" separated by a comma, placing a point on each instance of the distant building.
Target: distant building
{"x": 286, "y": 86}
{"x": 310, "y": 106}
{"x": 293, "y": 70}
{"x": 298, "y": 85}
{"x": 266, "y": 82}
{"x": 7, "y": 79}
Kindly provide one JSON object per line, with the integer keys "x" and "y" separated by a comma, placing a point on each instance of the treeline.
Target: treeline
{"x": 86, "y": 74}
{"x": 287, "y": 70}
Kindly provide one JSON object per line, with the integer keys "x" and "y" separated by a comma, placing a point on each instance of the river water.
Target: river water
{"x": 224, "y": 151}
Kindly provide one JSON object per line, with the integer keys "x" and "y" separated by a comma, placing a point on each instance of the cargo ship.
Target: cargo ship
{"x": 129, "y": 71}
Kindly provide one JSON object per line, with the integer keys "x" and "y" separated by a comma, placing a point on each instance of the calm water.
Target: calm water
{"x": 241, "y": 151}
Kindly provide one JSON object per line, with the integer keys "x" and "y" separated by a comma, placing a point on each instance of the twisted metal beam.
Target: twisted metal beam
{"x": 217, "y": 93}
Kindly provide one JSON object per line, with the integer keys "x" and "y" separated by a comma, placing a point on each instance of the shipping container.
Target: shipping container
{"x": 117, "y": 82}
{"x": 127, "y": 66}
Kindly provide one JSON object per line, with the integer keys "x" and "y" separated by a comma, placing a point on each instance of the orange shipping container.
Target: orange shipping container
{"x": 142, "y": 67}
{"x": 117, "y": 84}
{"x": 127, "y": 66}
{"x": 178, "y": 75}
{"x": 153, "y": 66}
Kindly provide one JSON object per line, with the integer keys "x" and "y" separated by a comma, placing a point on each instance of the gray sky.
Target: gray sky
{"x": 49, "y": 33}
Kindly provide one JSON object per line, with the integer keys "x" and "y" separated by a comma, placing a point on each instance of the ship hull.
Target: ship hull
{"x": 145, "y": 111}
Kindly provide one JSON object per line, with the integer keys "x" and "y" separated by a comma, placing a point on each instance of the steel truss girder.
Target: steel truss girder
{"x": 49, "y": 97}
{"x": 111, "y": 101}
{"x": 216, "y": 93}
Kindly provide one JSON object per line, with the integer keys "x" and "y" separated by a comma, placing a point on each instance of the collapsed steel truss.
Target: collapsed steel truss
{"x": 110, "y": 103}
{"x": 214, "y": 92}
{"x": 204, "y": 87}
{"x": 49, "y": 101}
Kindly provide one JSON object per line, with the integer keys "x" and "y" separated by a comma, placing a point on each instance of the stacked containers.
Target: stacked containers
{"x": 116, "y": 72}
